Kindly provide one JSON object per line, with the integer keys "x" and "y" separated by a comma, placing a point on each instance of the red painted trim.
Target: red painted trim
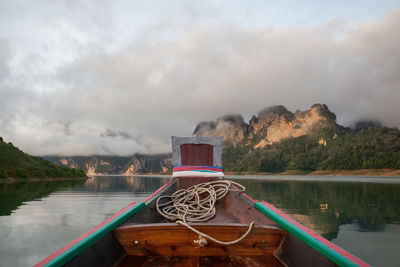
{"x": 195, "y": 168}
{"x": 317, "y": 236}
{"x": 77, "y": 240}
{"x": 157, "y": 191}
{"x": 244, "y": 194}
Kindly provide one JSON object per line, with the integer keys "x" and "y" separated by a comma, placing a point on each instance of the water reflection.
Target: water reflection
{"x": 37, "y": 218}
{"x": 378, "y": 248}
{"x": 123, "y": 183}
{"x": 13, "y": 195}
{"x": 325, "y": 206}
{"x": 363, "y": 218}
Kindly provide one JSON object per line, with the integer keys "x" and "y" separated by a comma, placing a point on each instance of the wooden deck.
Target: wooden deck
{"x": 228, "y": 261}
{"x": 169, "y": 239}
{"x": 160, "y": 242}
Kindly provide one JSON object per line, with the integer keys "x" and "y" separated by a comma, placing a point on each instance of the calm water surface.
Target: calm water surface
{"x": 37, "y": 218}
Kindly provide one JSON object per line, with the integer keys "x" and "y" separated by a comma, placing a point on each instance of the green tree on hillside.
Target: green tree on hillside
{"x": 16, "y": 164}
{"x": 346, "y": 149}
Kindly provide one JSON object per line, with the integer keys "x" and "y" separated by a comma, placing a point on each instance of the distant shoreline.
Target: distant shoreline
{"x": 352, "y": 173}
{"x": 365, "y": 176}
{"x": 363, "y": 172}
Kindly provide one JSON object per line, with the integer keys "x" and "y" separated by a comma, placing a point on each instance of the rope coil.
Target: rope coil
{"x": 197, "y": 204}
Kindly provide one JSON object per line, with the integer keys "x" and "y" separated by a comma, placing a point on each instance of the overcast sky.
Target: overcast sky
{"x": 119, "y": 77}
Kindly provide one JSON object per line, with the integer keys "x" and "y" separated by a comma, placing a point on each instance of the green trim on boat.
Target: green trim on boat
{"x": 76, "y": 249}
{"x": 305, "y": 237}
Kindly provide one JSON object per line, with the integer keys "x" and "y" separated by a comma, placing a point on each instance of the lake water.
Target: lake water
{"x": 37, "y": 218}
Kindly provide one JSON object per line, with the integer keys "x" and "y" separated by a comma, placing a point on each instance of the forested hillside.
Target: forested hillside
{"x": 329, "y": 149}
{"x": 16, "y": 164}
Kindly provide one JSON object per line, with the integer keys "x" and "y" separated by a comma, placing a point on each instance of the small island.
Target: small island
{"x": 16, "y": 165}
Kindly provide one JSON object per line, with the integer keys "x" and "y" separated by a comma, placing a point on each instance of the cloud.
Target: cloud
{"x": 5, "y": 55}
{"x": 167, "y": 78}
{"x": 121, "y": 135}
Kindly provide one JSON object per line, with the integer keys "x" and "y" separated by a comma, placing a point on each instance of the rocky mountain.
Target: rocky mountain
{"x": 275, "y": 140}
{"x": 272, "y": 125}
{"x": 103, "y": 165}
{"x": 279, "y": 140}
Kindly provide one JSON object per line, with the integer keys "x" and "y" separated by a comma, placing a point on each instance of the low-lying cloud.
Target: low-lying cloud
{"x": 132, "y": 99}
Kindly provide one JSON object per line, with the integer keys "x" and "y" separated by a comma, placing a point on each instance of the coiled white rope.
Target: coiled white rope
{"x": 197, "y": 204}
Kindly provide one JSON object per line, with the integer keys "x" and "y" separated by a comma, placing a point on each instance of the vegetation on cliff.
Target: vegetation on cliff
{"x": 330, "y": 148}
{"x": 278, "y": 140}
{"x": 16, "y": 164}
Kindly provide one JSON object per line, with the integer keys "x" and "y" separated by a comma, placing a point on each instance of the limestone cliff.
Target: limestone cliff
{"x": 105, "y": 165}
{"x": 231, "y": 127}
{"x": 272, "y": 125}
{"x": 276, "y": 140}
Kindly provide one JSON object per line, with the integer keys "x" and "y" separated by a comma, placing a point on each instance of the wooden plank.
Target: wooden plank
{"x": 184, "y": 261}
{"x": 216, "y": 261}
{"x": 170, "y": 239}
{"x": 197, "y": 154}
{"x": 132, "y": 261}
{"x": 206, "y": 261}
{"x": 234, "y": 203}
{"x": 258, "y": 261}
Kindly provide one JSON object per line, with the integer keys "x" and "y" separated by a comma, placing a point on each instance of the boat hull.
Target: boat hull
{"x": 276, "y": 240}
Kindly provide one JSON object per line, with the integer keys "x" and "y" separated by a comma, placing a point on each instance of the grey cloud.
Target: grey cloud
{"x": 208, "y": 72}
{"x": 67, "y": 128}
{"x": 123, "y": 135}
{"x": 6, "y": 94}
{"x": 64, "y": 126}
{"x": 5, "y": 56}
{"x": 161, "y": 86}
{"x": 109, "y": 133}
{"x": 107, "y": 150}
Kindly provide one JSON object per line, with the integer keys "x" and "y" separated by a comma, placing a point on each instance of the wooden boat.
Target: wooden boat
{"x": 139, "y": 235}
